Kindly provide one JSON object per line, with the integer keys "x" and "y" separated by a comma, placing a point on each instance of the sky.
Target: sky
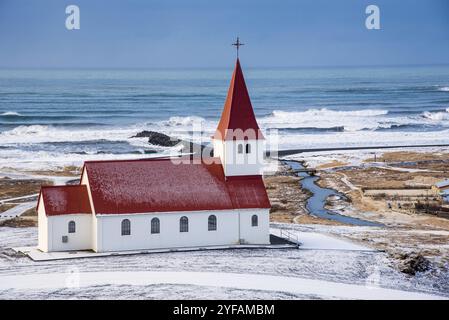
{"x": 199, "y": 33}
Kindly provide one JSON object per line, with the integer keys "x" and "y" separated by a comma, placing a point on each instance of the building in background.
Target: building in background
{"x": 442, "y": 189}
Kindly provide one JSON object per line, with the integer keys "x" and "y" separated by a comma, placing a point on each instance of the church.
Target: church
{"x": 161, "y": 203}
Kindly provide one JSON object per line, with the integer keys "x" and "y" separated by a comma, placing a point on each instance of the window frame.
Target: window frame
{"x": 126, "y": 227}
{"x": 212, "y": 223}
{"x": 71, "y": 227}
{"x": 155, "y": 225}
{"x": 254, "y": 220}
{"x": 184, "y": 224}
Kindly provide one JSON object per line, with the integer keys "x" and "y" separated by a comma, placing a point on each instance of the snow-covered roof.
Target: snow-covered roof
{"x": 161, "y": 185}
{"x": 65, "y": 200}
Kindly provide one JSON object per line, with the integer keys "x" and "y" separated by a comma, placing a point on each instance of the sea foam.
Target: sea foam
{"x": 368, "y": 119}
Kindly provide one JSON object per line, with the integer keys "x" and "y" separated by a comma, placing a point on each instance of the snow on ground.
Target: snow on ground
{"x": 317, "y": 241}
{"x": 17, "y": 210}
{"x": 349, "y": 157}
{"x": 14, "y": 174}
{"x": 333, "y": 270}
{"x": 352, "y": 157}
{"x": 292, "y": 285}
{"x": 156, "y": 291}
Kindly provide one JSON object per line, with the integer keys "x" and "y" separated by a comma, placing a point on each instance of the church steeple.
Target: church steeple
{"x": 238, "y": 141}
{"x": 238, "y": 114}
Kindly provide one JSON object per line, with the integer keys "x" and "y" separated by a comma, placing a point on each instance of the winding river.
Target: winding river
{"x": 316, "y": 203}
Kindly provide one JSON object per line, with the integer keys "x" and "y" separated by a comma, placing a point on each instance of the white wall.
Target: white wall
{"x": 238, "y": 164}
{"x": 94, "y": 237}
{"x": 107, "y": 233}
{"x": 85, "y": 181}
{"x": 110, "y": 238}
{"x": 255, "y": 235}
{"x": 58, "y": 227}
{"x": 42, "y": 223}
{"x": 227, "y": 233}
{"x": 95, "y": 233}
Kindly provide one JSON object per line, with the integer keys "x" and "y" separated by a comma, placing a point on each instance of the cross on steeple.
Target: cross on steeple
{"x": 237, "y": 44}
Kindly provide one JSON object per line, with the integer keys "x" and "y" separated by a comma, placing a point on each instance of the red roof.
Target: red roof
{"x": 65, "y": 200}
{"x": 247, "y": 192}
{"x": 238, "y": 112}
{"x": 160, "y": 185}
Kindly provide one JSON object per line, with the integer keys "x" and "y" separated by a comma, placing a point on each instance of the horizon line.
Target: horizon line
{"x": 226, "y": 67}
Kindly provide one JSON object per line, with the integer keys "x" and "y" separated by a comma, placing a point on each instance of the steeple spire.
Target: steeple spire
{"x": 238, "y": 114}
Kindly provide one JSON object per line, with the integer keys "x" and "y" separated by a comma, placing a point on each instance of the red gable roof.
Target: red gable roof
{"x": 238, "y": 112}
{"x": 160, "y": 185}
{"x": 65, "y": 200}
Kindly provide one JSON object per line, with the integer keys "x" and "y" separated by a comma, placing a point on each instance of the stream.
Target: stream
{"x": 316, "y": 203}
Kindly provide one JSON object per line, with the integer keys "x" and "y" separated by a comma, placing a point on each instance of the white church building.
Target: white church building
{"x": 164, "y": 203}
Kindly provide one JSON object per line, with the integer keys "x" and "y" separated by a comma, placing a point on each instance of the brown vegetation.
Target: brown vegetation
{"x": 401, "y": 156}
{"x": 286, "y": 196}
{"x": 19, "y": 222}
{"x": 67, "y": 171}
{"x": 381, "y": 178}
{"x": 11, "y": 188}
{"x": 6, "y": 206}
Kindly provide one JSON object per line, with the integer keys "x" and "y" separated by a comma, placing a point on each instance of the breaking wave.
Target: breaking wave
{"x": 183, "y": 121}
{"x": 325, "y": 119}
{"x": 49, "y": 133}
{"x": 324, "y": 112}
{"x": 445, "y": 89}
{"x": 311, "y": 129}
{"x": 436, "y": 116}
{"x": 10, "y": 113}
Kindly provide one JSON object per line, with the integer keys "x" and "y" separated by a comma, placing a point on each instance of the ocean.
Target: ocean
{"x": 51, "y": 118}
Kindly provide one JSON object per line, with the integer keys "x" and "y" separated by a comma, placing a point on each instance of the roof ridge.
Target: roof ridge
{"x": 243, "y": 177}
{"x": 147, "y": 159}
{"x": 64, "y": 186}
{"x": 129, "y": 160}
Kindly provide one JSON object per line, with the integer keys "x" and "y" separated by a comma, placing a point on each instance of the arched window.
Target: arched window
{"x": 254, "y": 221}
{"x": 184, "y": 224}
{"x": 212, "y": 223}
{"x": 248, "y": 148}
{"x": 155, "y": 225}
{"x": 126, "y": 227}
{"x": 72, "y": 227}
{"x": 240, "y": 148}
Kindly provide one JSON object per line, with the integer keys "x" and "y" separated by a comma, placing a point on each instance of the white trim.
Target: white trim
{"x": 174, "y": 212}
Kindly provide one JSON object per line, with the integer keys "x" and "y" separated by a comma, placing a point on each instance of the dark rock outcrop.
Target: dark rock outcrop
{"x": 163, "y": 140}
{"x": 157, "y": 138}
{"x": 412, "y": 263}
